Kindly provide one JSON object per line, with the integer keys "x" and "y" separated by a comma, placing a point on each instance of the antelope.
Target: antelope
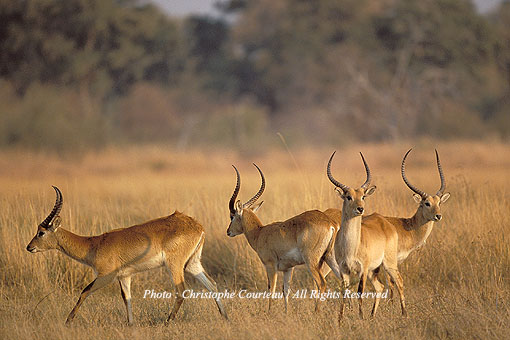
{"x": 364, "y": 246}
{"x": 307, "y": 238}
{"x": 414, "y": 231}
{"x": 173, "y": 241}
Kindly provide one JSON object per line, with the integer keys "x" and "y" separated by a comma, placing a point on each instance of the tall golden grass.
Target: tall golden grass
{"x": 457, "y": 285}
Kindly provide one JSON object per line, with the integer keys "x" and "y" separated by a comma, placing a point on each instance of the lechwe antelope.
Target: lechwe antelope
{"x": 174, "y": 241}
{"x": 363, "y": 247}
{"x": 307, "y": 238}
{"x": 414, "y": 231}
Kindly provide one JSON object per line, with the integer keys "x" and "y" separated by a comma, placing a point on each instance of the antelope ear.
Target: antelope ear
{"x": 370, "y": 190}
{"x": 417, "y": 198}
{"x": 256, "y": 207}
{"x": 339, "y": 191}
{"x": 55, "y": 224}
{"x": 445, "y": 197}
{"x": 239, "y": 207}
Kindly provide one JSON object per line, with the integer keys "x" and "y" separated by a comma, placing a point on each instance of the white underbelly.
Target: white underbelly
{"x": 294, "y": 255}
{"x": 140, "y": 266}
{"x": 375, "y": 263}
{"x": 290, "y": 259}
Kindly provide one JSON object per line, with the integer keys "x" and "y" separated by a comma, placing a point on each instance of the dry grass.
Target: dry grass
{"x": 457, "y": 286}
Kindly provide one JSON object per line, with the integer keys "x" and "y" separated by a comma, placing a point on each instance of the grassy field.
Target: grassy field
{"x": 457, "y": 285}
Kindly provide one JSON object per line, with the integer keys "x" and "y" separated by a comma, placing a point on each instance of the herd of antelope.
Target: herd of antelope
{"x": 343, "y": 241}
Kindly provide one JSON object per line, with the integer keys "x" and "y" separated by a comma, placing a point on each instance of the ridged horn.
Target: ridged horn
{"x": 259, "y": 193}
{"x": 441, "y": 175}
{"x": 330, "y": 176}
{"x": 406, "y": 181}
{"x": 236, "y": 192}
{"x": 56, "y": 209}
{"x": 367, "y": 169}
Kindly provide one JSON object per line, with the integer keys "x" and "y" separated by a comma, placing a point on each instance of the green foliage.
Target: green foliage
{"x": 50, "y": 118}
{"x": 99, "y": 45}
{"x": 286, "y": 44}
{"x": 454, "y": 122}
{"x": 242, "y": 125}
{"x": 502, "y": 45}
{"x": 80, "y": 73}
{"x": 147, "y": 113}
{"x": 207, "y": 48}
{"x": 439, "y": 33}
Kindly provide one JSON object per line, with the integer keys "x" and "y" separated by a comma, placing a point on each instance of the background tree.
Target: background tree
{"x": 333, "y": 71}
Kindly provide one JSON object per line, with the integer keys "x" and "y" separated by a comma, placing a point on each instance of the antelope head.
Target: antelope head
{"x": 430, "y": 205}
{"x": 237, "y": 209}
{"x": 353, "y": 199}
{"x": 45, "y": 238}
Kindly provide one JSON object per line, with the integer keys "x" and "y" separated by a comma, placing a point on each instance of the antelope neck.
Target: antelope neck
{"x": 350, "y": 238}
{"x": 75, "y": 246}
{"x": 419, "y": 227}
{"x": 252, "y": 227}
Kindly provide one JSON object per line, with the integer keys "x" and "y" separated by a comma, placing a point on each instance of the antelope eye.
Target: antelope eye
{"x": 363, "y": 198}
{"x": 40, "y": 234}
{"x": 427, "y": 204}
{"x": 349, "y": 198}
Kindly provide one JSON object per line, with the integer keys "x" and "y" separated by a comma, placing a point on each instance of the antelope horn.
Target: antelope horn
{"x": 259, "y": 193}
{"x": 441, "y": 175}
{"x": 56, "y": 209}
{"x": 418, "y": 191}
{"x": 367, "y": 169}
{"x": 236, "y": 192}
{"x": 330, "y": 176}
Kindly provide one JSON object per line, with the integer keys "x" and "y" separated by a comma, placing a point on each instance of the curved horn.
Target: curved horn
{"x": 418, "y": 191}
{"x": 441, "y": 175}
{"x": 330, "y": 176}
{"x": 367, "y": 169}
{"x": 259, "y": 193}
{"x": 56, "y": 209}
{"x": 236, "y": 192}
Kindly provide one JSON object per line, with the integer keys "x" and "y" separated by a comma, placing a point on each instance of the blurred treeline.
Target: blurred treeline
{"x": 76, "y": 74}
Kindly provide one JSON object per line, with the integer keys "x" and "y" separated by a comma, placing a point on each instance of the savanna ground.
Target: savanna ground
{"x": 457, "y": 285}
